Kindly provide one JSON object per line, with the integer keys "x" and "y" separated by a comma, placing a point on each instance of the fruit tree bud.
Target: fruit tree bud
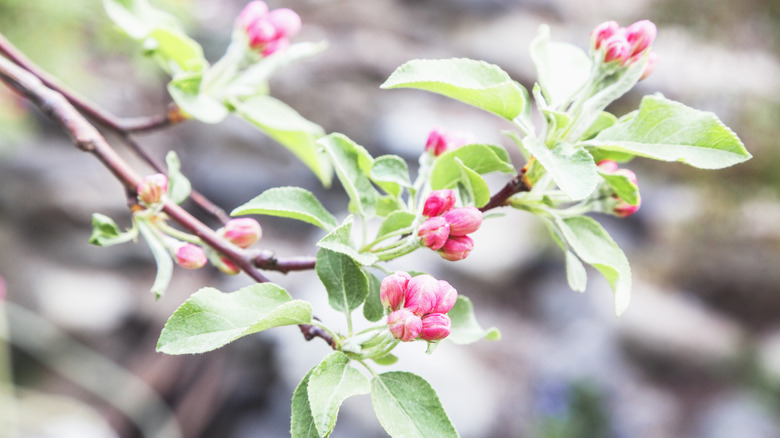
{"x": 456, "y": 248}
{"x": 463, "y": 221}
{"x": 437, "y": 142}
{"x": 435, "y": 327}
{"x": 404, "y": 325}
{"x": 251, "y": 13}
{"x": 446, "y": 296}
{"x": 439, "y": 202}
{"x": 152, "y": 188}
{"x": 652, "y": 61}
{"x": 608, "y": 166}
{"x": 190, "y": 256}
{"x": 624, "y": 209}
{"x": 392, "y": 291}
{"x": 640, "y": 35}
{"x": 226, "y": 266}
{"x": 286, "y": 22}
{"x": 434, "y": 232}
{"x": 421, "y": 294}
{"x": 616, "y": 49}
{"x": 243, "y": 232}
{"x": 601, "y": 32}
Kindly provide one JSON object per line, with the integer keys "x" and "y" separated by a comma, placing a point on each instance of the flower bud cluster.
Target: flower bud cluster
{"x": 440, "y": 141}
{"x": 152, "y": 188}
{"x": 418, "y": 306}
{"x": 624, "y": 46}
{"x": 618, "y": 206}
{"x": 446, "y": 230}
{"x": 268, "y": 31}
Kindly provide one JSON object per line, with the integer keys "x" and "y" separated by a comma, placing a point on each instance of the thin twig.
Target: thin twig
{"x": 514, "y": 186}
{"x": 267, "y": 260}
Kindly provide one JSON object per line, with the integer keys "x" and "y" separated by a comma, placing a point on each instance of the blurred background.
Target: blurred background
{"x": 697, "y": 354}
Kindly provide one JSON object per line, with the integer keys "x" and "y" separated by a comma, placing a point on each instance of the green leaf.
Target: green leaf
{"x": 590, "y": 241}
{"x": 475, "y": 186}
{"x": 179, "y": 186}
{"x": 372, "y": 308}
{"x": 476, "y": 83}
{"x": 210, "y": 318}
{"x": 186, "y": 93}
{"x": 291, "y": 202}
{"x": 670, "y": 131}
{"x": 176, "y": 52}
{"x": 397, "y": 220}
{"x": 465, "y": 328}
{"x": 388, "y": 359}
{"x": 162, "y": 257}
{"x": 391, "y": 173}
{"x": 345, "y": 282}
{"x": 387, "y": 205}
{"x": 332, "y": 382}
{"x": 408, "y": 407}
{"x": 562, "y": 69}
{"x": 602, "y": 122}
{"x": 340, "y": 240}
{"x": 105, "y": 232}
{"x": 576, "y": 275}
{"x": 571, "y": 168}
{"x": 290, "y": 129}
{"x": 624, "y": 188}
{"x": 301, "y": 420}
{"x": 137, "y": 18}
{"x": 480, "y": 158}
{"x": 352, "y": 164}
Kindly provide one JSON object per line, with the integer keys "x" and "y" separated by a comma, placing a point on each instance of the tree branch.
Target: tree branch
{"x": 514, "y": 186}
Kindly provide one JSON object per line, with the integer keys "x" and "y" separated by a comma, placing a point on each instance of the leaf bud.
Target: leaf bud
{"x": 421, "y": 294}
{"x": 152, "y": 188}
{"x": 434, "y": 232}
{"x": 438, "y": 202}
{"x": 404, "y": 325}
{"x": 456, "y": 248}
{"x": 435, "y": 327}
{"x": 190, "y": 256}
{"x": 463, "y": 221}
{"x": 243, "y": 232}
{"x": 446, "y": 296}
{"x": 392, "y": 291}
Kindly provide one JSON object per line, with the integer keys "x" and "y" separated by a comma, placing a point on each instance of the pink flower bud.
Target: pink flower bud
{"x": 608, "y": 166}
{"x": 152, "y": 188}
{"x": 628, "y": 173}
{"x": 190, "y": 256}
{"x": 251, "y": 13}
{"x": 286, "y": 22}
{"x": 421, "y": 294}
{"x": 275, "y": 46}
{"x": 392, "y": 291}
{"x": 438, "y": 202}
{"x": 601, "y": 32}
{"x": 640, "y": 35}
{"x": 463, "y": 221}
{"x": 623, "y": 208}
{"x": 456, "y": 248}
{"x": 435, "y": 327}
{"x": 260, "y": 33}
{"x": 404, "y": 325}
{"x": 434, "y": 232}
{"x": 226, "y": 266}
{"x": 446, "y": 297}
{"x": 242, "y": 232}
{"x": 652, "y": 61}
{"x": 437, "y": 142}
{"x": 616, "y": 49}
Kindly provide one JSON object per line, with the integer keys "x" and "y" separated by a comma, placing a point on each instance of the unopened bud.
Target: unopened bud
{"x": 463, "y": 221}
{"x": 623, "y": 208}
{"x": 437, "y": 142}
{"x": 404, "y": 325}
{"x": 616, "y": 49}
{"x": 421, "y": 294}
{"x": 226, "y": 266}
{"x": 190, "y": 256}
{"x": 243, "y": 232}
{"x": 434, "y": 232}
{"x": 601, "y": 32}
{"x": 640, "y": 35}
{"x": 438, "y": 202}
{"x": 608, "y": 166}
{"x": 392, "y": 291}
{"x": 286, "y": 22}
{"x": 456, "y": 248}
{"x": 260, "y": 33}
{"x": 152, "y": 188}
{"x": 652, "y": 62}
{"x": 435, "y": 327}
{"x": 252, "y": 12}
{"x": 446, "y": 296}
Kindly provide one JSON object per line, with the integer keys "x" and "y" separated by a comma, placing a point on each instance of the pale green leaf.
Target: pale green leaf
{"x": 465, "y": 328}
{"x": 162, "y": 258}
{"x": 562, "y": 69}
{"x": 301, "y": 420}
{"x": 390, "y": 172}
{"x": 290, "y": 129}
{"x": 332, "y": 382}
{"x": 176, "y": 52}
{"x": 186, "y": 93}
{"x": 477, "y": 83}
{"x": 571, "y": 168}
{"x": 408, "y": 407}
{"x": 105, "y": 232}
{"x": 179, "y": 186}
{"x": 477, "y": 189}
{"x": 624, "y": 188}
{"x": 340, "y": 240}
{"x": 670, "y": 131}
{"x": 290, "y": 202}
{"x": 210, "y": 318}
{"x": 576, "y": 275}
{"x": 353, "y": 165}
{"x": 480, "y": 158}
{"x": 137, "y": 18}
{"x": 372, "y": 308}
{"x": 345, "y": 282}
{"x": 397, "y": 220}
